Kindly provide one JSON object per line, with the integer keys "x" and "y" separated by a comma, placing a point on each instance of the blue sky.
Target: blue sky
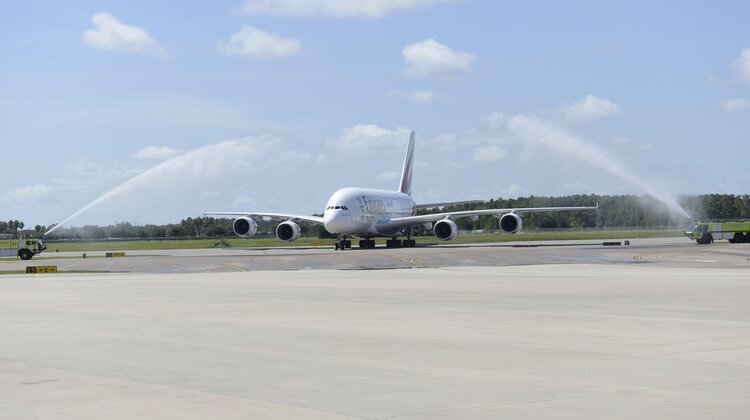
{"x": 288, "y": 100}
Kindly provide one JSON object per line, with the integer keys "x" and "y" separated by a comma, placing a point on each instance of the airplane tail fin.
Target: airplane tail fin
{"x": 405, "y": 186}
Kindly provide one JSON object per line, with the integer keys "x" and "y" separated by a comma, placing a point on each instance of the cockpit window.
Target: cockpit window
{"x": 344, "y": 208}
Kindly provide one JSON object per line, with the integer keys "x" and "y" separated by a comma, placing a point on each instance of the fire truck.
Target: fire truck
{"x": 22, "y": 248}
{"x": 706, "y": 232}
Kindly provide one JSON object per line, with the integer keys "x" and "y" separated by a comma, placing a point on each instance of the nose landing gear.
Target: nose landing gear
{"x": 342, "y": 243}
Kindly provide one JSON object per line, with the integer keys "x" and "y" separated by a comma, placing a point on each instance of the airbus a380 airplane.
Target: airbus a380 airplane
{"x": 369, "y": 213}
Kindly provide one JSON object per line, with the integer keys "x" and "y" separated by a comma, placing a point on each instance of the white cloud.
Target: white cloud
{"x": 735, "y": 104}
{"x": 514, "y": 190}
{"x": 494, "y": 120}
{"x": 389, "y": 175}
{"x": 155, "y": 153}
{"x": 112, "y": 35}
{"x": 430, "y": 58}
{"x": 417, "y": 97}
{"x": 370, "y": 9}
{"x": 448, "y": 142}
{"x": 256, "y": 43}
{"x": 589, "y": 108}
{"x": 370, "y": 137}
{"x": 489, "y": 154}
{"x": 742, "y": 66}
{"x": 629, "y": 144}
{"x": 84, "y": 176}
{"x": 26, "y": 194}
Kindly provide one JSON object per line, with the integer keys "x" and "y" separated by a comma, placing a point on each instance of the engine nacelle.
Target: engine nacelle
{"x": 445, "y": 229}
{"x": 511, "y": 223}
{"x": 288, "y": 231}
{"x": 244, "y": 226}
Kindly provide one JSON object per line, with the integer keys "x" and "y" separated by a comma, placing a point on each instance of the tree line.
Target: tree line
{"x": 615, "y": 211}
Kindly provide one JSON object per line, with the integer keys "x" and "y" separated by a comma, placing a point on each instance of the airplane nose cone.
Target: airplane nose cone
{"x": 333, "y": 221}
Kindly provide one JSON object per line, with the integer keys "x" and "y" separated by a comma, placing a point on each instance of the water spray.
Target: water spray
{"x": 533, "y": 130}
{"x": 205, "y": 162}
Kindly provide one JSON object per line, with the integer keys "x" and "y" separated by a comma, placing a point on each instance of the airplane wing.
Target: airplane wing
{"x": 449, "y": 203}
{"x": 405, "y": 222}
{"x": 278, "y": 216}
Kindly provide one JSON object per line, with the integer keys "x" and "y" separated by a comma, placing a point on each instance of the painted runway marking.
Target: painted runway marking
{"x": 236, "y": 267}
{"x": 412, "y": 261}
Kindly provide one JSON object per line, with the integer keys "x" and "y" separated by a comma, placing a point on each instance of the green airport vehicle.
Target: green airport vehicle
{"x": 706, "y": 232}
{"x": 22, "y": 248}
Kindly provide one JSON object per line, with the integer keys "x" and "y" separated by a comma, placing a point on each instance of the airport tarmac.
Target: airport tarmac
{"x": 658, "y": 329}
{"x": 680, "y": 252}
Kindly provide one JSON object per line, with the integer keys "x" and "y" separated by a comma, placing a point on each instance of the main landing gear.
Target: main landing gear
{"x": 398, "y": 243}
{"x": 406, "y": 243}
{"x": 367, "y": 243}
{"x": 342, "y": 243}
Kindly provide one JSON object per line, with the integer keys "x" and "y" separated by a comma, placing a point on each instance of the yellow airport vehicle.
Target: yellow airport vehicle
{"x": 22, "y": 248}
{"x": 706, "y": 232}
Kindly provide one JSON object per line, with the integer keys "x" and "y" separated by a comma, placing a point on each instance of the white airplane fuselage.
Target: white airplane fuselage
{"x": 357, "y": 211}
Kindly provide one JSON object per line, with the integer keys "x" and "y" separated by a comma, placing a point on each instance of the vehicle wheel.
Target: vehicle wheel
{"x": 740, "y": 238}
{"x": 25, "y": 254}
{"x": 336, "y": 246}
{"x": 706, "y": 239}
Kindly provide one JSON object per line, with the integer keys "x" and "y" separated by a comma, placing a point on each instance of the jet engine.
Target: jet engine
{"x": 244, "y": 226}
{"x": 511, "y": 223}
{"x": 288, "y": 231}
{"x": 445, "y": 229}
